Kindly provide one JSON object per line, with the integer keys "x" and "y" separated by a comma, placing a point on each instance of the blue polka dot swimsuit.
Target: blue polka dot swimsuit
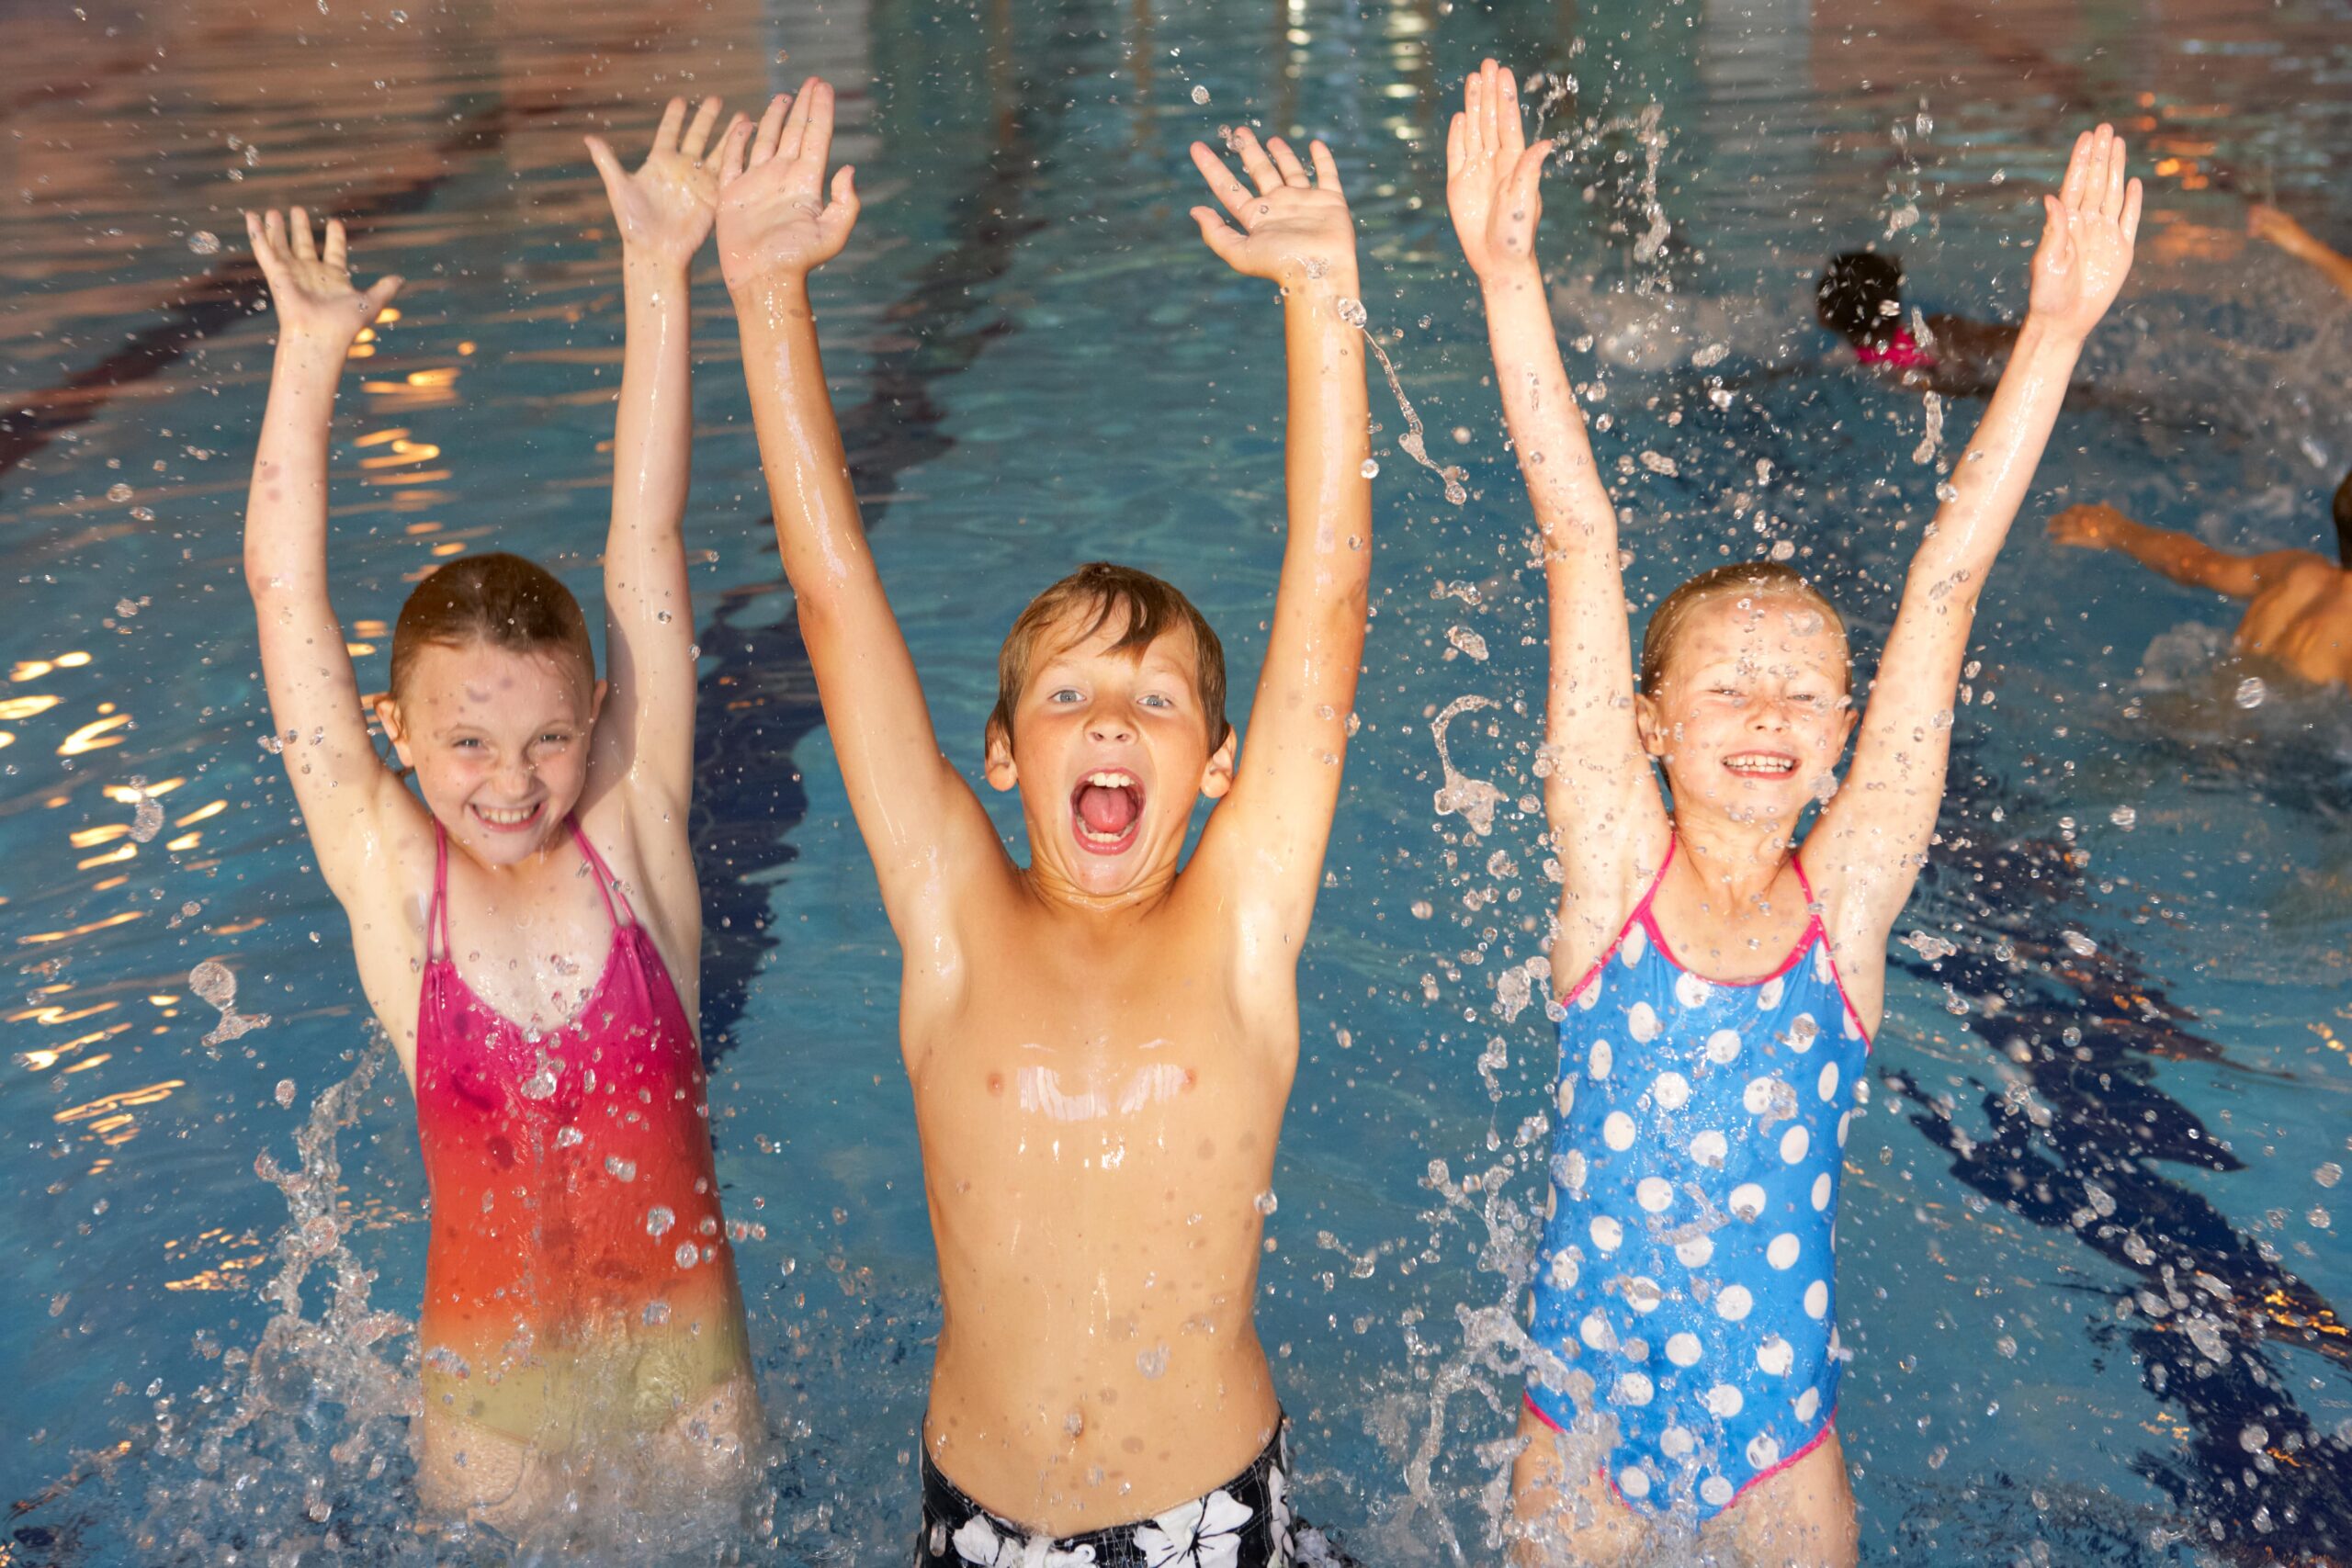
{"x": 1688, "y": 1264}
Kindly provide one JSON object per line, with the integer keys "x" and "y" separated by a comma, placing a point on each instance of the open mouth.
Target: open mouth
{"x": 1760, "y": 764}
{"x": 515, "y": 819}
{"x": 1106, "y": 810}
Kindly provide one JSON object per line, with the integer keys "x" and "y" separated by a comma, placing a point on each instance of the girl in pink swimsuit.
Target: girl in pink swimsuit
{"x": 526, "y": 922}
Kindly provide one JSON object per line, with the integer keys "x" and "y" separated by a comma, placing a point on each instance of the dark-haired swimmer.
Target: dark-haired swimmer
{"x": 2300, "y": 613}
{"x": 1860, "y": 298}
{"x": 527, "y": 924}
{"x": 1101, "y": 1043}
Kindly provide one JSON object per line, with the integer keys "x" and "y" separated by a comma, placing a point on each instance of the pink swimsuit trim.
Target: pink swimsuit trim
{"x": 1902, "y": 352}
{"x": 1828, "y": 1426}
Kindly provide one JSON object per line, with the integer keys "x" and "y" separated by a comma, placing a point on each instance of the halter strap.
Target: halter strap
{"x": 607, "y": 887}
{"x": 436, "y": 919}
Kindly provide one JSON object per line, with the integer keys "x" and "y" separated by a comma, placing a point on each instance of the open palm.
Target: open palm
{"x": 1293, "y": 227}
{"x": 1493, "y": 178}
{"x": 2087, "y": 235}
{"x": 666, "y": 207}
{"x": 776, "y": 214}
{"x": 311, "y": 283}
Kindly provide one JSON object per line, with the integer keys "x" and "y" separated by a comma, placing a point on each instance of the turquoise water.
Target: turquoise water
{"x": 2090, "y": 1263}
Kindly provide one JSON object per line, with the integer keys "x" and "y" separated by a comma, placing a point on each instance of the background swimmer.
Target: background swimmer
{"x": 1720, "y": 991}
{"x": 1860, "y": 298}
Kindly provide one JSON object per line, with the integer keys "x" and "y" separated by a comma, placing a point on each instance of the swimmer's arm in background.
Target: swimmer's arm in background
{"x": 2266, "y": 222}
{"x": 1608, "y": 825}
{"x": 645, "y": 734}
{"x": 923, "y": 828}
{"x": 2181, "y": 556}
{"x": 1866, "y": 850}
{"x": 339, "y": 781}
{"x": 1267, "y": 841}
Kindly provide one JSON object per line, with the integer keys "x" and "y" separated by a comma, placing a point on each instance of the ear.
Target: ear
{"x": 1649, "y": 719}
{"x": 388, "y": 714}
{"x": 1216, "y": 777}
{"x": 1001, "y": 775}
{"x": 596, "y": 702}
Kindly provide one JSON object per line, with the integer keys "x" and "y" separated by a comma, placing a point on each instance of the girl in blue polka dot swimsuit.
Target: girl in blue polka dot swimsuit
{"x": 1686, "y": 1361}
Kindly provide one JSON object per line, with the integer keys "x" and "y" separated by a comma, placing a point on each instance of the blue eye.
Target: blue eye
{"x": 1068, "y": 693}
{"x": 1155, "y": 700}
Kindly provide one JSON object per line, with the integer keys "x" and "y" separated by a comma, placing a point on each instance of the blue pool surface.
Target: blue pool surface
{"x": 2091, "y": 1265}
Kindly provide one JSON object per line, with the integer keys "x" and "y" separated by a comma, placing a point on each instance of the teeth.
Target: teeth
{"x": 505, "y": 818}
{"x": 1111, "y": 780}
{"x": 1760, "y": 764}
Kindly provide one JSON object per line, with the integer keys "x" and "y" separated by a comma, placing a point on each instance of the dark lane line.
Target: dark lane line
{"x": 2256, "y": 1478}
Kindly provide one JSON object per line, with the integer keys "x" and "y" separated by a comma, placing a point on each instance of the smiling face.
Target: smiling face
{"x": 1108, "y": 747}
{"x": 499, "y": 740}
{"x": 1753, "y": 705}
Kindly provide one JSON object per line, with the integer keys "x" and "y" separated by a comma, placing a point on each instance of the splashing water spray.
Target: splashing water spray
{"x": 217, "y": 985}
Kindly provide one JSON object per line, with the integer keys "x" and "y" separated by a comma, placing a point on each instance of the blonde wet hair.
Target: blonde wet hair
{"x": 1750, "y": 577}
{"x": 1147, "y": 606}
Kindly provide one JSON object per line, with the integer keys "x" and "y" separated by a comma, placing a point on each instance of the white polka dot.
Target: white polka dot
{"x": 1633, "y": 1388}
{"x": 1691, "y": 991}
{"x": 1802, "y": 1033}
{"x": 1671, "y": 1091}
{"x": 1564, "y": 1271}
{"x": 1709, "y": 1149}
{"x": 1591, "y": 996}
{"x": 1844, "y": 1123}
{"x": 1643, "y": 1294}
{"x": 1782, "y": 1253}
{"x": 1632, "y": 1483}
{"x": 1715, "y": 1492}
{"x": 1607, "y": 1234}
{"x": 1733, "y": 1302}
{"x": 1807, "y": 1403}
{"x": 1817, "y": 1298}
{"x": 1723, "y": 1046}
{"x": 1675, "y": 1442}
{"x": 1696, "y": 1251}
{"x": 1767, "y": 995}
{"x": 1821, "y": 970}
{"x": 1595, "y": 1332}
{"x": 1637, "y": 942}
{"x": 1756, "y": 1098}
{"x": 1762, "y": 1452}
{"x": 1641, "y": 1022}
{"x": 1775, "y": 1355}
{"x": 1551, "y": 1201}
{"x": 1600, "y": 1060}
{"x": 1655, "y": 1193}
{"x": 1618, "y": 1131}
{"x": 1821, "y": 1191}
{"x": 1793, "y": 1144}
{"x": 1723, "y": 1400}
{"x": 1853, "y": 1026}
{"x": 1567, "y": 1095}
{"x": 1748, "y": 1199}
{"x": 1830, "y": 1081}
{"x": 1683, "y": 1350}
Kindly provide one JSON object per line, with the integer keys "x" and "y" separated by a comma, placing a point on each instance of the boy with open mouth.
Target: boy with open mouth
{"x": 1102, "y": 1043}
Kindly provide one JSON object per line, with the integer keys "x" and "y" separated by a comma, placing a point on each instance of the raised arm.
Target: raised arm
{"x": 645, "y": 736}
{"x": 2182, "y": 558}
{"x": 339, "y": 781}
{"x": 1866, "y": 850}
{"x": 777, "y": 224}
{"x": 2267, "y": 222}
{"x": 1609, "y": 825}
{"x": 1294, "y": 229}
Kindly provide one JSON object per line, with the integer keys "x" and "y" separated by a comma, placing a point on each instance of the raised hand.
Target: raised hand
{"x": 310, "y": 284}
{"x": 1493, "y": 178}
{"x": 665, "y": 208}
{"x": 775, "y": 217}
{"x": 2087, "y": 236}
{"x": 1294, "y": 229}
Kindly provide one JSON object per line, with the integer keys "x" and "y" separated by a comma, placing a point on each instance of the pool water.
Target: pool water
{"x": 2091, "y": 1272}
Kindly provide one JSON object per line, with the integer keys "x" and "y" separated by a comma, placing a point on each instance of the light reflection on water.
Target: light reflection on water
{"x": 1034, "y": 368}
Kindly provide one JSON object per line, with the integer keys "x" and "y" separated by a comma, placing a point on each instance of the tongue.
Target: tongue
{"x": 1106, "y": 810}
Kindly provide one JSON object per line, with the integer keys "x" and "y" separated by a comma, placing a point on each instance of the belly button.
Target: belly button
{"x": 996, "y": 1083}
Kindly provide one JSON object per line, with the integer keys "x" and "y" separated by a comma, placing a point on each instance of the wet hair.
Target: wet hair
{"x": 1753, "y": 577}
{"x": 1854, "y": 290}
{"x": 2344, "y": 520}
{"x": 1147, "y": 606}
{"x": 499, "y": 599}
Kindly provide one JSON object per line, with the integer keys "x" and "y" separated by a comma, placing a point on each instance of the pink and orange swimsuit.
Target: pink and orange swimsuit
{"x": 578, "y": 1280}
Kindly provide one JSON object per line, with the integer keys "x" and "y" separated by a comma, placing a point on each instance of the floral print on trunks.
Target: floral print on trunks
{"x": 1246, "y": 1523}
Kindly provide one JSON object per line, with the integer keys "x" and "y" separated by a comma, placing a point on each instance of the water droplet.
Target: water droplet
{"x": 2251, "y": 691}
{"x": 1266, "y": 1201}
{"x": 1659, "y": 463}
{"x": 2328, "y": 1175}
{"x": 1421, "y": 910}
{"x": 1781, "y": 549}
{"x": 569, "y": 1137}
{"x": 687, "y": 1254}
{"x": 658, "y": 1220}
{"x": 1469, "y": 641}
{"x": 2123, "y": 817}
{"x": 1200, "y": 94}
{"x": 1153, "y": 1363}
{"x": 204, "y": 242}
{"x": 1371, "y": 468}
{"x": 118, "y": 493}
{"x": 284, "y": 1092}
{"x": 625, "y": 1169}
{"x": 2081, "y": 945}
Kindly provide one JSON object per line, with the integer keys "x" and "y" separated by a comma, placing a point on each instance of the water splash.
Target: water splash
{"x": 215, "y": 983}
{"x": 1475, "y": 799}
{"x": 1413, "y": 442}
